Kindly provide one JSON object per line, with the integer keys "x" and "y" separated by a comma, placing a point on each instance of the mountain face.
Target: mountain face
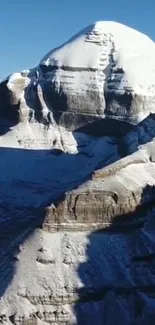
{"x": 106, "y": 70}
{"x": 77, "y": 183}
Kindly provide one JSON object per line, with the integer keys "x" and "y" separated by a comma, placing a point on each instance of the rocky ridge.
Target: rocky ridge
{"x": 95, "y": 74}
{"x": 77, "y": 184}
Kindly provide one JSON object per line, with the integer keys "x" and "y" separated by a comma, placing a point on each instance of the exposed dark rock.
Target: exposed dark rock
{"x": 77, "y": 225}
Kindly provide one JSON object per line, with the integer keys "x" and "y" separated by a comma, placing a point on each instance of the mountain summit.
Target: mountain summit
{"x": 106, "y": 70}
{"x": 77, "y": 183}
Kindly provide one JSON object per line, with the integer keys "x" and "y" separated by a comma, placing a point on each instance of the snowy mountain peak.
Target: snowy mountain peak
{"x": 101, "y": 33}
{"x": 111, "y": 60}
{"x": 106, "y": 70}
{"x": 57, "y": 264}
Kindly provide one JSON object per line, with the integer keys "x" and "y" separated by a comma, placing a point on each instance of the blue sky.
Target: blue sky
{"x": 30, "y": 28}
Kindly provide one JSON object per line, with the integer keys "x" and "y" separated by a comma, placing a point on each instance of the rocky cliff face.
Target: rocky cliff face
{"x": 78, "y": 183}
{"x": 107, "y": 69}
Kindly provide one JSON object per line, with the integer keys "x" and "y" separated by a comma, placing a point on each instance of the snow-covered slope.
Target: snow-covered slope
{"x": 109, "y": 67}
{"x": 63, "y": 180}
{"x": 106, "y": 70}
{"x": 64, "y": 273}
{"x": 120, "y": 56}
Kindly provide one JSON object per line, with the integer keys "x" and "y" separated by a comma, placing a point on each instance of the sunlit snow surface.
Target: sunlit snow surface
{"x": 104, "y": 277}
{"x": 132, "y": 51}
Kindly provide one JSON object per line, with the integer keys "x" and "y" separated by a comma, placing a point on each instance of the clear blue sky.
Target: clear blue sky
{"x": 30, "y": 28}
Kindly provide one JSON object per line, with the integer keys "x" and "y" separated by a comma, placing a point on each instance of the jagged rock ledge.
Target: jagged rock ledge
{"x": 95, "y": 74}
{"x": 53, "y": 268}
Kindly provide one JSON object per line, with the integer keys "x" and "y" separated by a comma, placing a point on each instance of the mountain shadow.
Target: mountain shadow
{"x": 9, "y": 111}
{"x": 31, "y": 180}
{"x": 118, "y": 276}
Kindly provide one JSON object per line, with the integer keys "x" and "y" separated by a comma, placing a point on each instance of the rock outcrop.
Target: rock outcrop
{"x": 106, "y": 70}
{"x": 77, "y": 203}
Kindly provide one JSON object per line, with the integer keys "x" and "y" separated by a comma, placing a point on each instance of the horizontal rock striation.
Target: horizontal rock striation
{"x": 77, "y": 201}
{"x": 96, "y": 74}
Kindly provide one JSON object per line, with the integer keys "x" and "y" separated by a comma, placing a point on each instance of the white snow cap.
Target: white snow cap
{"x": 132, "y": 51}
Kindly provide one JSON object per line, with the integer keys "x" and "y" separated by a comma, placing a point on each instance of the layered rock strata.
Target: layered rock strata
{"x": 77, "y": 200}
